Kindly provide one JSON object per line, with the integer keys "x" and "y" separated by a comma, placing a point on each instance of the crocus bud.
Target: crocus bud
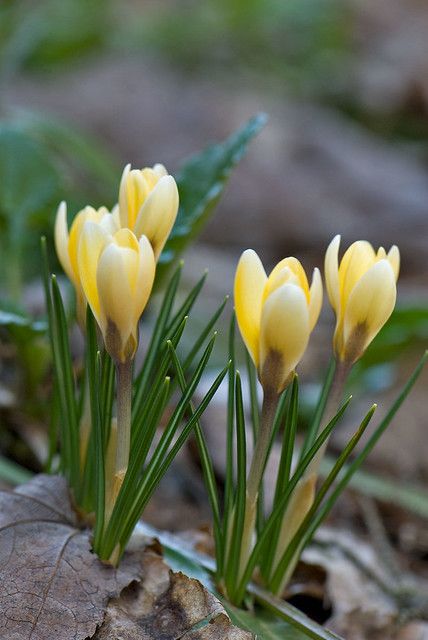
{"x": 148, "y": 204}
{"x": 66, "y": 244}
{"x": 117, "y": 272}
{"x": 275, "y": 315}
{"x": 362, "y": 291}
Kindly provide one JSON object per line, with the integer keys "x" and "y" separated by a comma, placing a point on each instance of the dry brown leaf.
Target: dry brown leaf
{"x": 168, "y": 606}
{"x": 51, "y": 585}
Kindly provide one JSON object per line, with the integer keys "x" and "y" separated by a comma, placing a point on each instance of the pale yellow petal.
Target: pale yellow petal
{"x": 250, "y": 280}
{"x": 61, "y": 241}
{"x": 85, "y": 215}
{"x": 296, "y": 268}
{"x": 369, "y": 307}
{"x": 123, "y": 200}
{"x": 315, "y": 302}
{"x": 145, "y": 277}
{"x": 116, "y": 280}
{"x": 126, "y": 239}
{"x": 160, "y": 170}
{"x": 394, "y": 260}
{"x": 284, "y": 328}
{"x": 359, "y": 257}
{"x": 277, "y": 278}
{"x": 331, "y": 273}
{"x": 93, "y": 239}
{"x": 158, "y": 213}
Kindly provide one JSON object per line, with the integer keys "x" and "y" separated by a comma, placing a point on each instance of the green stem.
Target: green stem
{"x": 124, "y": 398}
{"x": 255, "y": 475}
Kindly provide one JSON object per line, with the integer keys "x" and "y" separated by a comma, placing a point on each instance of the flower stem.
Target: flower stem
{"x": 122, "y": 436}
{"x": 255, "y": 475}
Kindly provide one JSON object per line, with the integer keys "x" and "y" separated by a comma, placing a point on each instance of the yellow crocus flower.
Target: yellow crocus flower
{"x": 148, "y": 204}
{"x": 116, "y": 272}
{"x": 362, "y": 291}
{"x": 67, "y": 243}
{"x": 275, "y": 314}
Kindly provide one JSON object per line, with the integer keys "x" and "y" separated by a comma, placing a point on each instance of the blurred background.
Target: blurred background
{"x": 86, "y": 87}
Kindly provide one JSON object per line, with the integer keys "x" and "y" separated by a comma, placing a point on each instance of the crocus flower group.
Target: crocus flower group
{"x": 276, "y": 314}
{"x": 110, "y": 257}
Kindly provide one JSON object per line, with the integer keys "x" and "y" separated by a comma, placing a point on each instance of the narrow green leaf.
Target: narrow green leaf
{"x": 186, "y": 306}
{"x": 284, "y": 470}
{"x": 199, "y": 341}
{"x": 229, "y": 476}
{"x": 319, "y": 409}
{"x": 278, "y": 511}
{"x": 237, "y": 526}
{"x": 307, "y": 528}
{"x": 207, "y": 466}
{"x": 144, "y": 377}
{"x": 360, "y": 458}
{"x": 153, "y": 479}
{"x": 65, "y": 378}
{"x": 13, "y": 473}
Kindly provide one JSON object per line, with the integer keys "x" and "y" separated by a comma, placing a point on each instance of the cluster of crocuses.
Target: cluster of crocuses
{"x": 276, "y": 315}
{"x": 110, "y": 257}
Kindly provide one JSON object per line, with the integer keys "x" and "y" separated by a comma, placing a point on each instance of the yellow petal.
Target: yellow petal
{"x": 250, "y": 280}
{"x": 394, "y": 260}
{"x": 145, "y": 277}
{"x": 359, "y": 257}
{"x": 296, "y": 268}
{"x": 369, "y": 307}
{"x": 85, "y": 215}
{"x": 279, "y": 277}
{"x": 61, "y": 240}
{"x": 123, "y": 200}
{"x": 331, "y": 273}
{"x": 158, "y": 213}
{"x": 315, "y": 302}
{"x": 116, "y": 279}
{"x": 93, "y": 239}
{"x": 126, "y": 239}
{"x": 284, "y": 329}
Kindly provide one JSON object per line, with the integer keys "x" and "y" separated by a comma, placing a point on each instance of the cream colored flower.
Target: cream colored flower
{"x": 362, "y": 291}
{"x": 275, "y": 314}
{"x": 67, "y": 244}
{"x": 116, "y": 272}
{"x": 148, "y": 204}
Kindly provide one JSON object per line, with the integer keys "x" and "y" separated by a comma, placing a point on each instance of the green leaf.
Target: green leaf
{"x": 201, "y": 182}
{"x": 408, "y": 496}
{"x": 29, "y": 185}
{"x": 13, "y": 473}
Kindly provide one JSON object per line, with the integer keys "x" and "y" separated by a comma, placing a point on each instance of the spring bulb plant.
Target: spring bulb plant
{"x": 109, "y": 415}
{"x": 109, "y": 420}
{"x": 275, "y": 315}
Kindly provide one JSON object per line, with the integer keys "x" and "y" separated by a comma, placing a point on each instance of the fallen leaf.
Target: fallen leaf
{"x": 51, "y": 584}
{"x": 169, "y": 606}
